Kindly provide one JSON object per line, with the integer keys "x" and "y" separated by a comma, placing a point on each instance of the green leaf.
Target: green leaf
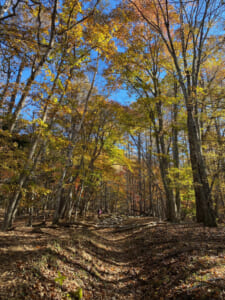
{"x": 60, "y": 85}
{"x": 60, "y": 279}
{"x": 77, "y": 295}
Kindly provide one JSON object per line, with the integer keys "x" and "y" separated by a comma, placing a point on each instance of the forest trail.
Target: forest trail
{"x": 113, "y": 258}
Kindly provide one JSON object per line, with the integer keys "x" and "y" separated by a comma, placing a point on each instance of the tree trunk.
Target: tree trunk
{"x": 78, "y": 201}
{"x": 150, "y": 179}
{"x": 204, "y": 205}
{"x": 13, "y": 204}
{"x": 57, "y": 213}
{"x": 139, "y": 174}
{"x": 176, "y": 154}
{"x": 164, "y": 167}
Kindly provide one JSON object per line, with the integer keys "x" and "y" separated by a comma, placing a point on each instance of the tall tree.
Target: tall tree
{"x": 184, "y": 27}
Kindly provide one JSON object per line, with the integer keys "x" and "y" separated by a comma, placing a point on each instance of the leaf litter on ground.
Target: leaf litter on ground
{"x": 113, "y": 258}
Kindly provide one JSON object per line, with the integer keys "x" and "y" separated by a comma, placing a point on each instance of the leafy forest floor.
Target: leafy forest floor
{"x": 112, "y": 258}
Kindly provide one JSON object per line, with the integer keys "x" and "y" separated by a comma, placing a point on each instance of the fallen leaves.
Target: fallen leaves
{"x": 136, "y": 262}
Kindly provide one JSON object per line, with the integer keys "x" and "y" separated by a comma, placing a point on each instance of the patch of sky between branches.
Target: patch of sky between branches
{"x": 120, "y": 95}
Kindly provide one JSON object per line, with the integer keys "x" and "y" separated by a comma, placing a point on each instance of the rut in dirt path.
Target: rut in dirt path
{"x": 114, "y": 256}
{"x": 163, "y": 261}
{"x": 138, "y": 258}
{"x": 98, "y": 259}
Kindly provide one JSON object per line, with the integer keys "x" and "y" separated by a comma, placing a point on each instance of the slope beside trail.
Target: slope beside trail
{"x": 113, "y": 258}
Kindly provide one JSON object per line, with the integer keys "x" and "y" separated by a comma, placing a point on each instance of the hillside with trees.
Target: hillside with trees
{"x": 70, "y": 145}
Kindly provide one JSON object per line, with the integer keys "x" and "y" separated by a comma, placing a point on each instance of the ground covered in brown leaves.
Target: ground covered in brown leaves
{"x": 113, "y": 258}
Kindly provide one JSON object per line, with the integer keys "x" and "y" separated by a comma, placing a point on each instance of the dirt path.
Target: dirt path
{"x": 135, "y": 258}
